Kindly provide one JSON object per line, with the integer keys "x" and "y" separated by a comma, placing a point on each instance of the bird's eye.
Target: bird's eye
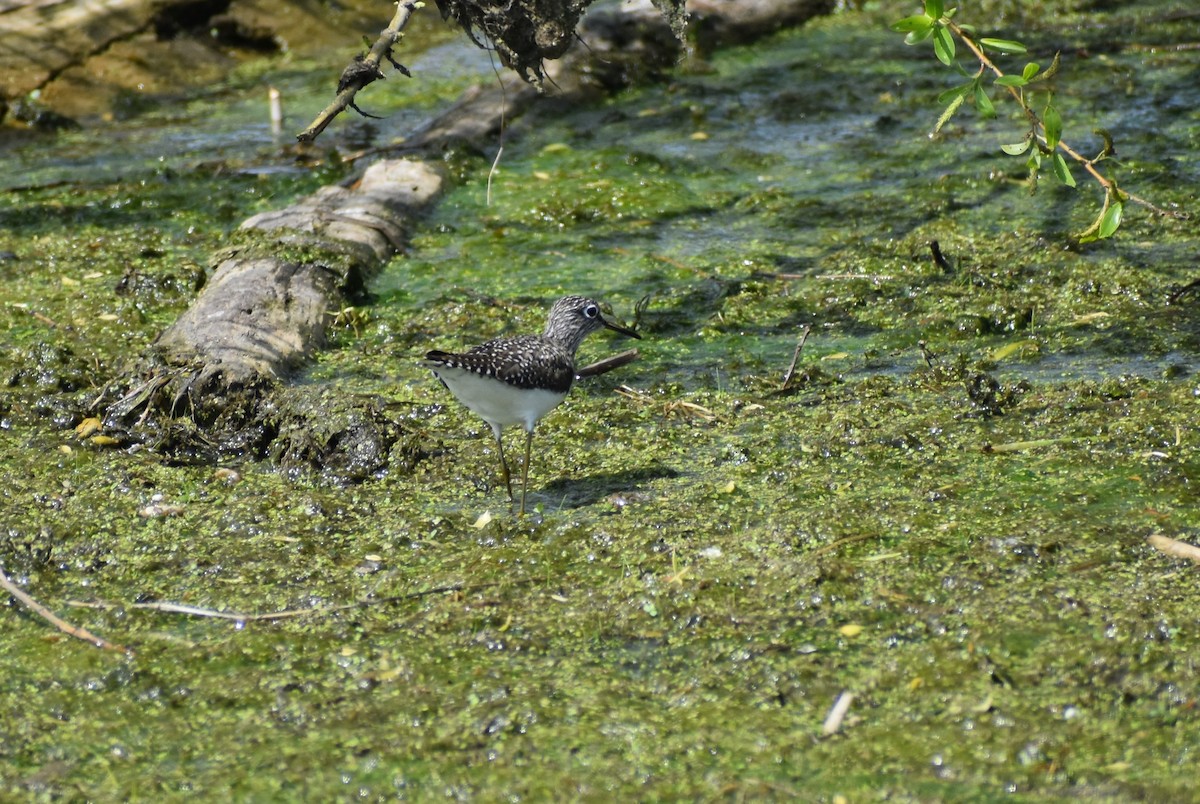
{"x": 591, "y": 311}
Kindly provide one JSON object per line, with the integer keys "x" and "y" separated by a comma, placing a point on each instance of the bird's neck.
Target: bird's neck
{"x": 569, "y": 343}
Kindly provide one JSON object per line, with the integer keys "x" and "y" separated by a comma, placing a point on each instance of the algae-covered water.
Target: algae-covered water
{"x": 959, "y": 542}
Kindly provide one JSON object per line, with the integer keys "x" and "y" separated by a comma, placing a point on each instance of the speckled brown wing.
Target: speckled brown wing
{"x": 526, "y": 361}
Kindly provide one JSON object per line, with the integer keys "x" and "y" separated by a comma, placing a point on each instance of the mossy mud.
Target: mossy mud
{"x": 960, "y": 542}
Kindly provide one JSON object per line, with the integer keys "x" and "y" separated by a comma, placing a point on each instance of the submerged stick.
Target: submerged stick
{"x": 62, "y": 625}
{"x": 930, "y": 356}
{"x": 1179, "y": 293}
{"x": 939, "y": 258}
{"x": 834, "y": 545}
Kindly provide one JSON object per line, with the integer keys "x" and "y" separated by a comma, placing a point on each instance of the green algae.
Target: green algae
{"x": 673, "y": 622}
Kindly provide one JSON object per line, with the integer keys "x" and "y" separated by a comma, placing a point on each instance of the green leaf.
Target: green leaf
{"x": 1052, "y": 123}
{"x": 1010, "y": 81}
{"x": 961, "y": 91}
{"x": 1111, "y": 220}
{"x": 983, "y": 104}
{"x": 1003, "y": 45}
{"x": 935, "y": 8}
{"x": 914, "y": 37}
{"x": 943, "y": 45}
{"x": 918, "y": 22}
{"x": 1018, "y": 148}
{"x": 1030, "y": 70}
{"x": 1062, "y": 170}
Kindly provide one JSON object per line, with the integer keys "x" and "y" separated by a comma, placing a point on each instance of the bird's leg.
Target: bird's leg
{"x": 503, "y": 463}
{"x": 525, "y": 470}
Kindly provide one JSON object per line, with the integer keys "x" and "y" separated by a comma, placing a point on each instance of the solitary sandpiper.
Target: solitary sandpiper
{"x": 518, "y": 380}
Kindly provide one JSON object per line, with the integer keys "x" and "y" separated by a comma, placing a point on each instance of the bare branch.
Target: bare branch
{"x": 607, "y": 364}
{"x": 62, "y": 625}
{"x": 363, "y": 70}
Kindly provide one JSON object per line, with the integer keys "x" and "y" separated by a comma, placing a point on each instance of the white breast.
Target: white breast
{"x": 498, "y": 403}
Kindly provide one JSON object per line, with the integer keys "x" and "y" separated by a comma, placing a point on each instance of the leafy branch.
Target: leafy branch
{"x": 1042, "y": 141}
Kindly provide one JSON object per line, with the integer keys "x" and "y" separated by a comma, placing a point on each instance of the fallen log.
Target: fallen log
{"x": 264, "y": 311}
{"x": 209, "y": 384}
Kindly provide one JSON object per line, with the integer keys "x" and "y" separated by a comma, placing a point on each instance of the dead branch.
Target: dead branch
{"x": 199, "y": 611}
{"x": 608, "y": 364}
{"x": 261, "y": 313}
{"x": 62, "y": 625}
{"x": 363, "y": 70}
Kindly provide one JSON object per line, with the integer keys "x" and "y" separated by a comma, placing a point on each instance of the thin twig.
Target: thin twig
{"x": 503, "y": 128}
{"x": 791, "y": 370}
{"x": 62, "y": 625}
{"x": 927, "y": 353}
{"x": 834, "y": 545}
{"x": 194, "y": 611}
{"x": 365, "y": 71}
{"x": 50, "y": 322}
{"x": 868, "y": 277}
{"x": 1176, "y": 295}
{"x": 198, "y": 611}
{"x": 492, "y": 171}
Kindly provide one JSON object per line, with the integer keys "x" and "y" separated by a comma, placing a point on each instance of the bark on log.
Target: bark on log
{"x": 261, "y": 314}
{"x": 734, "y": 22}
{"x": 264, "y": 310}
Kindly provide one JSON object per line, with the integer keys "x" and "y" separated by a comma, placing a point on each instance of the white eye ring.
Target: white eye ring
{"x": 591, "y": 311}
